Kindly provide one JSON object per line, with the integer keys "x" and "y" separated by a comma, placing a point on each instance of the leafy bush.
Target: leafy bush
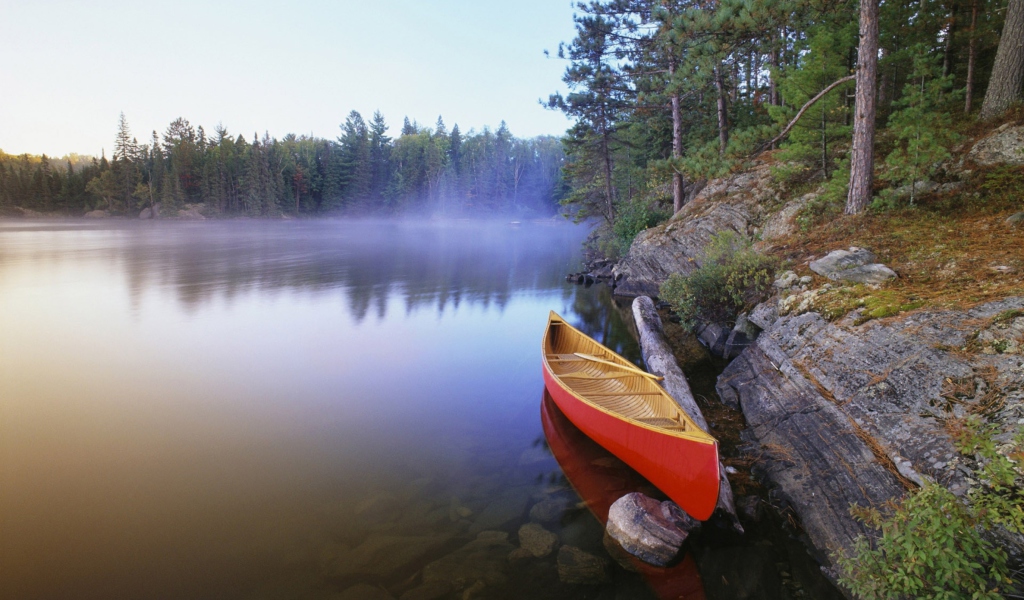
{"x": 932, "y": 545}
{"x": 731, "y": 278}
{"x": 633, "y": 218}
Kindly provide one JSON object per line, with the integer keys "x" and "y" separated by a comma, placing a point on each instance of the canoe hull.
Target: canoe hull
{"x": 685, "y": 469}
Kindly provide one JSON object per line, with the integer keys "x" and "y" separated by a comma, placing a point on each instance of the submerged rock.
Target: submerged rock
{"x": 538, "y": 541}
{"x": 431, "y": 590}
{"x": 506, "y": 507}
{"x": 364, "y": 592}
{"x": 650, "y": 530}
{"x": 579, "y": 567}
{"x": 383, "y": 556}
{"x": 483, "y": 559}
{"x": 550, "y": 510}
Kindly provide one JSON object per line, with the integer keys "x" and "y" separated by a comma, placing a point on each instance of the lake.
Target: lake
{"x": 294, "y": 409}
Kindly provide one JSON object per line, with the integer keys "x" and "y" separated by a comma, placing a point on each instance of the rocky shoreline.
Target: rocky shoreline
{"x": 841, "y": 412}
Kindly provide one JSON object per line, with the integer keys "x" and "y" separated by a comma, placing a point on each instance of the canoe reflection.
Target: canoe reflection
{"x": 600, "y": 479}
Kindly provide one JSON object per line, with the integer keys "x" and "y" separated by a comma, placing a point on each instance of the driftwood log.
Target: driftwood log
{"x": 661, "y": 361}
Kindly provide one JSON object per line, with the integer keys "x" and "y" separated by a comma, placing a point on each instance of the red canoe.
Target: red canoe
{"x": 623, "y": 409}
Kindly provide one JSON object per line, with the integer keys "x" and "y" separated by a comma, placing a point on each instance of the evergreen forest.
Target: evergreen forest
{"x": 667, "y": 94}
{"x": 364, "y": 171}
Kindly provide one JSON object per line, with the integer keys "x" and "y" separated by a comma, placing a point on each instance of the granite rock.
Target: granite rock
{"x": 650, "y": 530}
{"x": 846, "y": 414}
{"x": 1004, "y": 146}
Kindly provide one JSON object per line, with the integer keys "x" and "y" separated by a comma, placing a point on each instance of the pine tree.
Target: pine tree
{"x": 1005, "y": 86}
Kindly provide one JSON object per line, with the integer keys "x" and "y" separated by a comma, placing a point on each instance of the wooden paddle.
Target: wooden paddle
{"x": 624, "y": 367}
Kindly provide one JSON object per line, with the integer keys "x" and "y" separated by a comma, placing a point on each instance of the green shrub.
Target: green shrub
{"x": 731, "y": 278}
{"x": 633, "y": 218}
{"x": 932, "y": 545}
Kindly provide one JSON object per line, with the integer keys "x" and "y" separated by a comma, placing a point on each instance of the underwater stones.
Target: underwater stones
{"x": 482, "y": 559}
{"x": 549, "y": 510}
{"x": 578, "y": 567}
{"x": 382, "y": 556}
{"x": 650, "y": 530}
{"x": 457, "y": 510}
{"x": 538, "y": 541}
{"x": 364, "y": 592}
{"x": 504, "y": 508}
{"x": 431, "y": 590}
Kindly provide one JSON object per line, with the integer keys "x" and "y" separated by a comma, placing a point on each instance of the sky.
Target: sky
{"x": 299, "y": 66}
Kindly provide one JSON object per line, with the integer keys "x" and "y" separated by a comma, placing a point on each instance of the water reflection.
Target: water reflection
{"x": 601, "y": 479}
{"x": 251, "y": 409}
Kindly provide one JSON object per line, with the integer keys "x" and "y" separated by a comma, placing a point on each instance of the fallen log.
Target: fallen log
{"x": 661, "y": 361}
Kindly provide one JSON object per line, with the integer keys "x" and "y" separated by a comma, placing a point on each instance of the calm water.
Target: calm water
{"x": 295, "y": 409}
{"x": 236, "y": 410}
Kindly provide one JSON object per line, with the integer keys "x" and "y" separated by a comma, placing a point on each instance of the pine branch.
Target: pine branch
{"x": 799, "y": 114}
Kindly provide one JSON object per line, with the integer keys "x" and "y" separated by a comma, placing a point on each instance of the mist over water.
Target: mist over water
{"x": 223, "y": 409}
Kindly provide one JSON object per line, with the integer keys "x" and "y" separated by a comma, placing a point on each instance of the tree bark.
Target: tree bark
{"x": 862, "y": 157}
{"x": 947, "y": 53}
{"x": 773, "y": 88}
{"x": 661, "y": 361}
{"x": 972, "y": 58}
{"x": 723, "y": 118}
{"x": 801, "y": 112}
{"x": 1004, "y": 88}
{"x": 678, "y": 199}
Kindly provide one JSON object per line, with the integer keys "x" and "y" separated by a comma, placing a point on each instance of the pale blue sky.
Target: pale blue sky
{"x": 295, "y": 66}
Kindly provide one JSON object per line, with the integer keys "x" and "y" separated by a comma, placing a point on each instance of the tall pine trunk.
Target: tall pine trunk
{"x": 1004, "y": 88}
{"x": 972, "y": 58}
{"x": 677, "y": 146}
{"x": 862, "y": 157}
{"x": 723, "y": 119}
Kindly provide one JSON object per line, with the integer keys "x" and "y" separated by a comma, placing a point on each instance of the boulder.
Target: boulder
{"x": 855, "y": 265}
{"x": 538, "y": 541}
{"x": 650, "y": 530}
{"x": 841, "y": 260}
{"x": 1004, "y": 146}
{"x": 1016, "y": 219}
{"x": 845, "y": 414}
{"x": 578, "y": 567}
{"x": 96, "y": 214}
{"x": 743, "y": 333}
{"x": 713, "y": 336}
{"x": 147, "y": 213}
{"x": 764, "y": 314}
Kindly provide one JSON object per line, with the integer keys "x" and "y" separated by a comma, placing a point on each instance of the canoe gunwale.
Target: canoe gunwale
{"x": 696, "y": 435}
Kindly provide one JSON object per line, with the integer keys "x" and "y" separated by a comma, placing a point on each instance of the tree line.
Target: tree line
{"x": 666, "y": 94}
{"x": 426, "y": 170}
